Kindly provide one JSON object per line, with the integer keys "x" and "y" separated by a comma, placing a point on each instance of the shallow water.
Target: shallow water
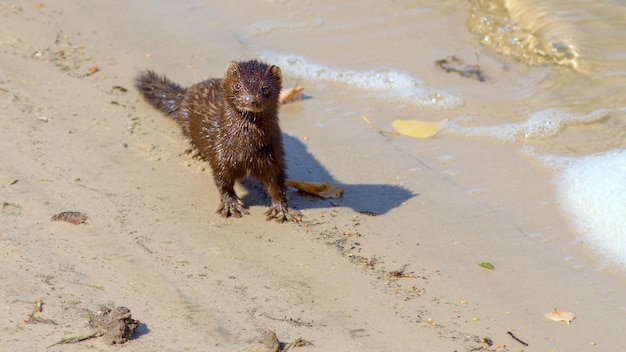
{"x": 555, "y": 77}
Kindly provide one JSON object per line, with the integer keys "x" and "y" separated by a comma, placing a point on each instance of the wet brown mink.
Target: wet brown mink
{"x": 233, "y": 122}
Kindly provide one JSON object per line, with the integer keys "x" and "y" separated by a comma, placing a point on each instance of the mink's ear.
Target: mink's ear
{"x": 276, "y": 72}
{"x": 232, "y": 68}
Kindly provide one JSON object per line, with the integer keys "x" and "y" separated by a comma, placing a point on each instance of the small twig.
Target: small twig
{"x": 454, "y": 64}
{"x": 294, "y": 322}
{"x": 517, "y": 339}
{"x": 299, "y": 342}
{"x": 76, "y": 339}
{"x": 35, "y": 320}
{"x": 32, "y": 319}
{"x": 97, "y": 332}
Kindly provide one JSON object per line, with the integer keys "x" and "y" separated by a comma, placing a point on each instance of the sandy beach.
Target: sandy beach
{"x": 76, "y": 136}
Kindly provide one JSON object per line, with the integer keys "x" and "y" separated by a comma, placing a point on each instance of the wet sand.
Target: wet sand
{"x": 76, "y": 137}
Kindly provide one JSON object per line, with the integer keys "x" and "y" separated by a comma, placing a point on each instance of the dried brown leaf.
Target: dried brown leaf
{"x": 290, "y": 94}
{"x": 73, "y": 217}
{"x": 557, "y": 315}
{"x": 323, "y": 190}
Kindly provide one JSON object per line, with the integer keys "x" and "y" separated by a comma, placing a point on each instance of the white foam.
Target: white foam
{"x": 388, "y": 84}
{"x": 266, "y": 27}
{"x": 592, "y": 191}
{"x": 541, "y": 125}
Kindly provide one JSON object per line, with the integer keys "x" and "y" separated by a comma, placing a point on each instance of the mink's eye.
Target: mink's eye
{"x": 265, "y": 90}
{"x": 237, "y": 87}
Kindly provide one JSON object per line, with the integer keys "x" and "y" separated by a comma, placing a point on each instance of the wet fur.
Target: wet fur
{"x": 233, "y": 122}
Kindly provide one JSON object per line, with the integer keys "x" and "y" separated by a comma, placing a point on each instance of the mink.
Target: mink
{"x": 233, "y": 123}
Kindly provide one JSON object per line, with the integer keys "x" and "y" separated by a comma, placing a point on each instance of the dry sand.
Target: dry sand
{"x": 405, "y": 280}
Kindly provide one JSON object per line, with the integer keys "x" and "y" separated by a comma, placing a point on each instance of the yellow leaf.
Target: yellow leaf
{"x": 417, "y": 129}
{"x": 323, "y": 190}
{"x": 411, "y": 128}
{"x": 557, "y": 315}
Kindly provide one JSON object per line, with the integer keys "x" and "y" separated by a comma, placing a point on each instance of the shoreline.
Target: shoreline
{"x": 404, "y": 280}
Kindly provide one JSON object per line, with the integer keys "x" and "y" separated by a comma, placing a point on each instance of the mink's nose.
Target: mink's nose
{"x": 250, "y": 100}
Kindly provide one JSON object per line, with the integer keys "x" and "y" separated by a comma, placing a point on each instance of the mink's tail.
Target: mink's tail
{"x": 160, "y": 92}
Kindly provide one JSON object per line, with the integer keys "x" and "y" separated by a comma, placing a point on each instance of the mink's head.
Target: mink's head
{"x": 252, "y": 86}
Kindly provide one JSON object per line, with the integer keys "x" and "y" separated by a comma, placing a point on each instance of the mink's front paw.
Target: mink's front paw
{"x": 232, "y": 206}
